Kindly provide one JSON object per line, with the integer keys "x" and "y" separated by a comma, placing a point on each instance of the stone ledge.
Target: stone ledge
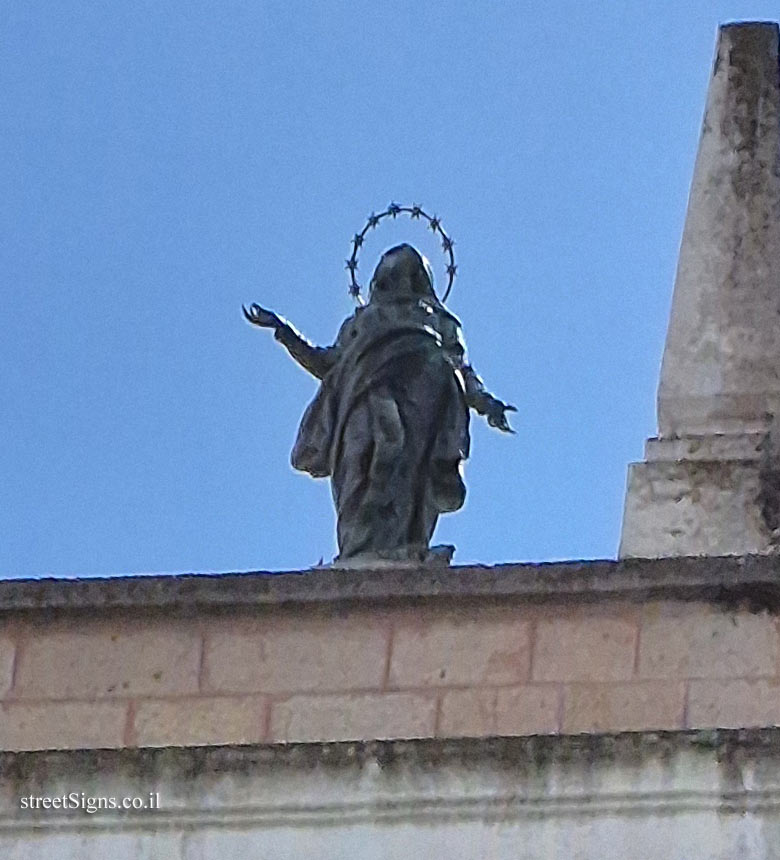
{"x": 715, "y": 794}
{"x": 516, "y": 754}
{"x": 753, "y": 580}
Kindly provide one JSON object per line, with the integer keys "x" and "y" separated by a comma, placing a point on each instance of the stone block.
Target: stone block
{"x": 692, "y": 507}
{"x": 478, "y": 649}
{"x": 735, "y": 703}
{"x": 587, "y": 647}
{"x": 62, "y": 725}
{"x": 528, "y": 709}
{"x": 368, "y": 716}
{"x": 109, "y": 660}
{"x": 198, "y": 721}
{"x": 699, "y": 641}
{"x": 292, "y": 655}
{"x": 634, "y": 706}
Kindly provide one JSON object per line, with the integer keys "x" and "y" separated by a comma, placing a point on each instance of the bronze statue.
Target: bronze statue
{"x": 390, "y": 423}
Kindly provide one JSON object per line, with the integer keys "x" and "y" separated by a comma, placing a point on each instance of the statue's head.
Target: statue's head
{"x": 403, "y": 273}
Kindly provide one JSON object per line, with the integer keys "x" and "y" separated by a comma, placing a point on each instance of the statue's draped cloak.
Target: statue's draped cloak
{"x": 389, "y": 424}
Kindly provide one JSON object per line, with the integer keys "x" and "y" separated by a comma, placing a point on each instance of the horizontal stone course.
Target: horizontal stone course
{"x": 721, "y": 579}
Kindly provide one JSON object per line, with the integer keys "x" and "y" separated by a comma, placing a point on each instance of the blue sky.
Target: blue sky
{"x": 164, "y": 162}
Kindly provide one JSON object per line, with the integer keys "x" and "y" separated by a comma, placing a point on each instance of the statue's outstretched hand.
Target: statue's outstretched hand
{"x": 496, "y": 415}
{"x": 261, "y": 317}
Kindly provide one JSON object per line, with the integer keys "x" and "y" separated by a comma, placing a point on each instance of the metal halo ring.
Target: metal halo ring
{"x": 393, "y": 210}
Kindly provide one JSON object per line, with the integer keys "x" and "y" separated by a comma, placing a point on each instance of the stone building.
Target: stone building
{"x": 588, "y": 709}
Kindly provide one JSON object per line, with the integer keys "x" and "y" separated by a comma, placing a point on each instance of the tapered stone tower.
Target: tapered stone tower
{"x": 710, "y": 482}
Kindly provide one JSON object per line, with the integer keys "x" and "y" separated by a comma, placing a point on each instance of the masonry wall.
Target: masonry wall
{"x": 320, "y": 656}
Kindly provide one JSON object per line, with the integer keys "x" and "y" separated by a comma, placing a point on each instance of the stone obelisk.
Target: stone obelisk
{"x": 710, "y": 482}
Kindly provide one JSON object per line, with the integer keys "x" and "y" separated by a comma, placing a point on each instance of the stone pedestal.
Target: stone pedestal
{"x": 706, "y": 485}
{"x": 696, "y": 495}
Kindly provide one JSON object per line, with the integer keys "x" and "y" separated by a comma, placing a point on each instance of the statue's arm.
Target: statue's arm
{"x": 317, "y": 360}
{"x": 478, "y": 397}
{"x": 483, "y": 402}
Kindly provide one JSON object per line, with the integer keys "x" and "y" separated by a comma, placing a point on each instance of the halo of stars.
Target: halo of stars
{"x": 393, "y": 211}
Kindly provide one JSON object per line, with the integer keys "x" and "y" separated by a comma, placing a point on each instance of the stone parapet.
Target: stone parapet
{"x": 363, "y": 655}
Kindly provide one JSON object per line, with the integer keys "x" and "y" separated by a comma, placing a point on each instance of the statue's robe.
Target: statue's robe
{"x": 389, "y": 425}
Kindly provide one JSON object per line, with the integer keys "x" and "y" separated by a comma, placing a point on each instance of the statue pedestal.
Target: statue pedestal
{"x": 439, "y": 555}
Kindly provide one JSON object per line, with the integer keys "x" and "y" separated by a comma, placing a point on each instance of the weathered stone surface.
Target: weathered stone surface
{"x": 717, "y": 448}
{"x": 719, "y": 372}
{"x": 658, "y": 796}
{"x": 693, "y": 507}
{"x": 265, "y": 593}
{"x": 85, "y": 844}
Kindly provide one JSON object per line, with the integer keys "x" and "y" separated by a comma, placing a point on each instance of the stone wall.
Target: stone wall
{"x": 522, "y": 711}
{"x": 325, "y": 655}
{"x": 647, "y": 796}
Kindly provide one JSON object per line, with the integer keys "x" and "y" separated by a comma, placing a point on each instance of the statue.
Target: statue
{"x": 390, "y": 422}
